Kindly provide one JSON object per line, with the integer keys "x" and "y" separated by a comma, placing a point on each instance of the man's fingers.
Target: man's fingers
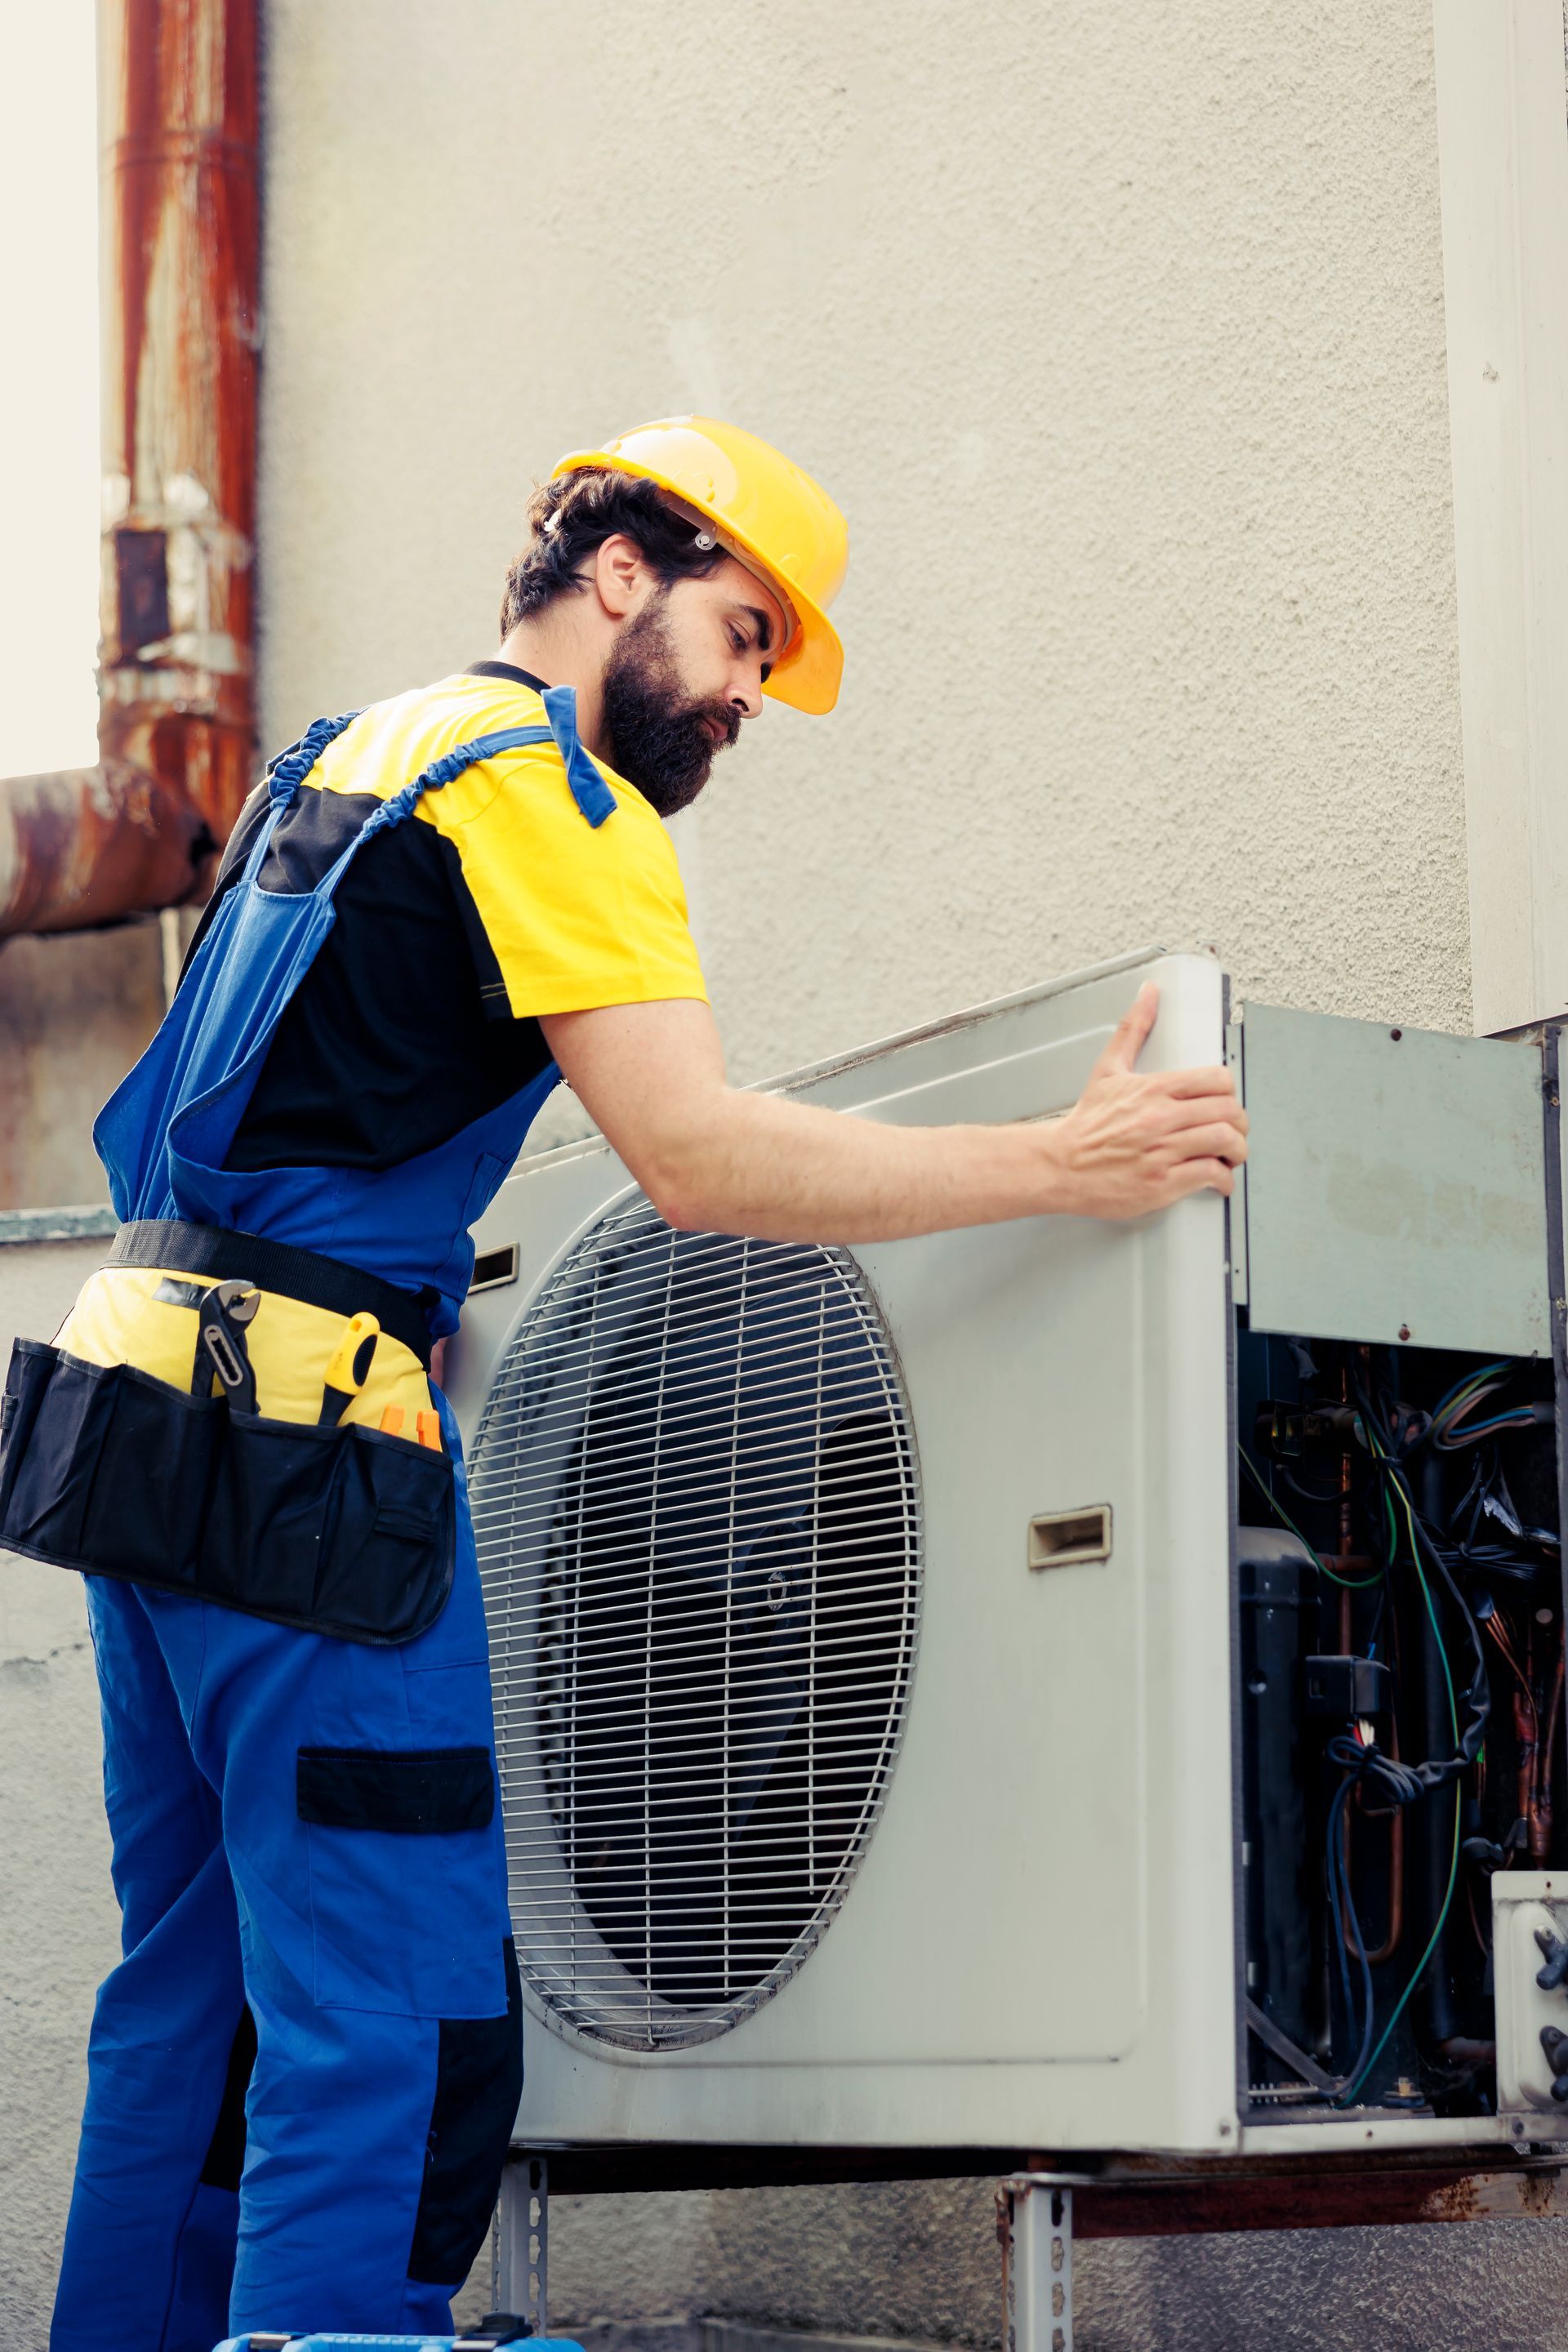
{"x": 1205, "y": 1110}
{"x": 1132, "y": 1031}
{"x": 1202, "y": 1176}
{"x": 1215, "y": 1140}
{"x": 1214, "y": 1080}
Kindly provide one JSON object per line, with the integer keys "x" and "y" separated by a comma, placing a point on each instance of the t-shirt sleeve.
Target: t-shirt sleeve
{"x": 575, "y": 915}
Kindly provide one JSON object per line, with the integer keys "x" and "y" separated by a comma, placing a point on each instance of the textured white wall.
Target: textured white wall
{"x": 1117, "y": 333}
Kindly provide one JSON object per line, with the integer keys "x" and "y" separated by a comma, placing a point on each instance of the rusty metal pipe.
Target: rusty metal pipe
{"x": 181, "y": 250}
{"x": 86, "y": 846}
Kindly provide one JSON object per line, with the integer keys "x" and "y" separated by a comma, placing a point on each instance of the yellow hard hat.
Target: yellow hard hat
{"x": 770, "y": 516}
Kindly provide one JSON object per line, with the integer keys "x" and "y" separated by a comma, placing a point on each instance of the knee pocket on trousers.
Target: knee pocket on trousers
{"x": 479, "y": 2082}
{"x": 408, "y": 1899}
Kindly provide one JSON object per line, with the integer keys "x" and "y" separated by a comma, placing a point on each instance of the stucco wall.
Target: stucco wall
{"x": 1117, "y": 333}
{"x": 75, "y": 1011}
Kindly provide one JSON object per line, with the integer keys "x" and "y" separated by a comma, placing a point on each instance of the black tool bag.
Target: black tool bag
{"x": 338, "y": 1531}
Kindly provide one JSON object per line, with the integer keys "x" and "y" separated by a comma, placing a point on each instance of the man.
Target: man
{"x": 304, "y": 2070}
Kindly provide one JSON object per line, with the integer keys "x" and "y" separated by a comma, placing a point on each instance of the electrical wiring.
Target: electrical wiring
{"x": 1362, "y": 2068}
{"x": 1463, "y": 1395}
{"x": 1476, "y": 1693}
{"x": 1356, "y": 1584}
{"x": 1364, "y": 1760}
{"x": 1468, "y": 1744}
{"x": 1307, "y": 1494}
{"x": 1346, "y": 1750}
{"x": 1453, "y": 1554}
{"x": 1361, "y": 2073}
{"x": 1524, "y": 1418}
{"x": 1478, "y": 1698}
{"x": 1450, "y": 1430}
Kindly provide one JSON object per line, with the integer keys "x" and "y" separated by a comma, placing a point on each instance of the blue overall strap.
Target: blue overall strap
{"x": 284, "y": 778}
{"x": 589, "y": 790}
{"x": 291, "y": 767}
{"x": 444, "y": 771}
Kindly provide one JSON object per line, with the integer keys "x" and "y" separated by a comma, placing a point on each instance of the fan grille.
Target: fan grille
{"x": 697, "y": 1512}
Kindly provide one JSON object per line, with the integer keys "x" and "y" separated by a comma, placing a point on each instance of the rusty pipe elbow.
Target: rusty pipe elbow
{"x": 86, "y": 846}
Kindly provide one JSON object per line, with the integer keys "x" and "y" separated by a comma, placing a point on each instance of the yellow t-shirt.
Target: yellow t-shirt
{"x": 496, "y": 902}
{"x": 577, "y": 915}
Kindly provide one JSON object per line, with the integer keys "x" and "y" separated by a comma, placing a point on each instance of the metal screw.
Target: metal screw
{"x": 1396, "y": 1034}
{"x": 1405, "y": 1330}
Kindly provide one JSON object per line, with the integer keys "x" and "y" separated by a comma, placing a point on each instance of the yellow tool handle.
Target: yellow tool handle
{"x": 350, "y": 1367}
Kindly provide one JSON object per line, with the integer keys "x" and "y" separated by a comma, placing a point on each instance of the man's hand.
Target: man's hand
{"x": 714, "y": 1159}
{"x": 1135, "y": 1142}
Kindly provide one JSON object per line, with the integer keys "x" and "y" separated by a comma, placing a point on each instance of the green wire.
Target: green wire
{"x": 1355, "y": 1583}
{"x": 1399, "y": 2007}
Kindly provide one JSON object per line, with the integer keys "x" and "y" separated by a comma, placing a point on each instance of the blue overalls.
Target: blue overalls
{"x": 367, "y": 1969}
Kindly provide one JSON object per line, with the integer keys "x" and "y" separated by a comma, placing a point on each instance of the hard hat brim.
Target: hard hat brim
{"x": 807, "y": 674}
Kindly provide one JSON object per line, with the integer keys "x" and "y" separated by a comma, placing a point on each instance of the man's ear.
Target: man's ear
{"x": 621, "y": 575}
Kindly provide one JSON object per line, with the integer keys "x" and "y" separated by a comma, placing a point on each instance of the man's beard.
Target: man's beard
{"x": 658, "y": 739}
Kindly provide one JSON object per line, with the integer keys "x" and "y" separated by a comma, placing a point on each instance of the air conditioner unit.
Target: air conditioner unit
{"x": 907, "y": 1733}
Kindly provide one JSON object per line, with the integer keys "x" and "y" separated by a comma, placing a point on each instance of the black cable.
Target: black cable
{"x": 1348, "y": 1752}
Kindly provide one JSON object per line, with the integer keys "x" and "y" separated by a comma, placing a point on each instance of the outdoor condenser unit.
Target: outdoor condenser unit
{"x": 917, "y": 1667}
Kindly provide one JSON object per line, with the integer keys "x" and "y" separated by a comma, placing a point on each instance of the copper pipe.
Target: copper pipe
{"x": 1524, "y": 1732}
{"x": 1460, "y": 2050}
{"x": 1541, "y": 1802}
{"x": 181, "y": 250}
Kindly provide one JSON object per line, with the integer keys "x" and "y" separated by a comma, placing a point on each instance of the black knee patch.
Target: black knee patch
{"x": 224, "y": 2159}
{"x": 479, "y": 2082}
{"x": 433, "y": 1791}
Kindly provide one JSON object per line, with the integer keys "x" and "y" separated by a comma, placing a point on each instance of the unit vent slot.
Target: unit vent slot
{"x": 1064, "y": 1539}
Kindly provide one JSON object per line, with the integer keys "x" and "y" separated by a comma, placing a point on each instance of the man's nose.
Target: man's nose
{"x": 746, "y": 699}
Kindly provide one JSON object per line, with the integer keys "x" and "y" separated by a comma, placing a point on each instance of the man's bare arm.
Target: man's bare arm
{"x": 712, "y": 1158}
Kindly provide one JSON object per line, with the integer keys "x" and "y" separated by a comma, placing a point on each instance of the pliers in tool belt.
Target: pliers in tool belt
{"x": 224, "y": 1311}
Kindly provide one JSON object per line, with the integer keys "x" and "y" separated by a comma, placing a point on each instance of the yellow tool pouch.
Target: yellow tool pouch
{"x": 110, "y": 1465}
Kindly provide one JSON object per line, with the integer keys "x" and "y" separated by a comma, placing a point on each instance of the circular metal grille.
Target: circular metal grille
{"x": 696, "y": 1506}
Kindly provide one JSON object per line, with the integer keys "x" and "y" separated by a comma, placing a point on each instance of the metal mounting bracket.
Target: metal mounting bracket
{"x": 520, "y": 2242}
{"x": 1034, "y": 2224}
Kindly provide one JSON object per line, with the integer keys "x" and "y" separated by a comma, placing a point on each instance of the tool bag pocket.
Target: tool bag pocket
{"x": 337, "y": 1530}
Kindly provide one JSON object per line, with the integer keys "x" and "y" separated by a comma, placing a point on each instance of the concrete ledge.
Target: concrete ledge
{"x": 92, "y": 1222}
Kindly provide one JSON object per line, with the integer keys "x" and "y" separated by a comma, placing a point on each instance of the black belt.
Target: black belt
{"x": 325, "y": 1282}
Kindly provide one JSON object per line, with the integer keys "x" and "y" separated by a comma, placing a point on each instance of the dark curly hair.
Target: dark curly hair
{"x": 575, "y": 514}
